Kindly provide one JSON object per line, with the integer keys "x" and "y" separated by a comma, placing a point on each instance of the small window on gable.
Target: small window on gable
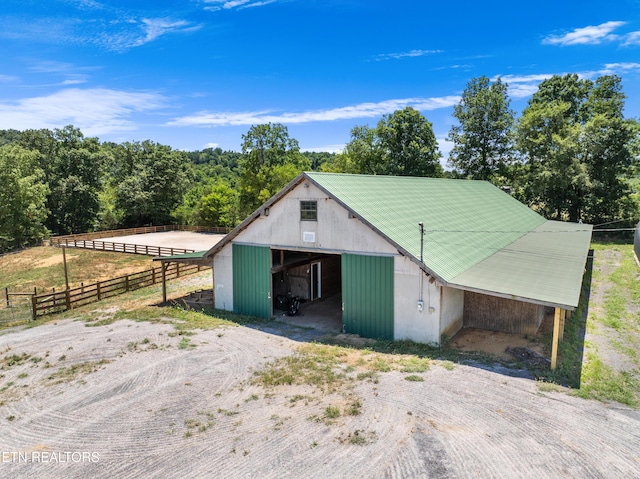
{"x": 309, "y": 211}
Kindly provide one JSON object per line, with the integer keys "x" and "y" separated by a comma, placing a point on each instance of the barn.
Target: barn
{"x": 401, "y": 257}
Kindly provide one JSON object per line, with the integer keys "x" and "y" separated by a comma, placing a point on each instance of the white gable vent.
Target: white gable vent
{"x": 309, "y": 237}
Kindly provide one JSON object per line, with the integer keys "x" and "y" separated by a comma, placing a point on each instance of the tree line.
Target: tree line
{"x": 571, "y": 155}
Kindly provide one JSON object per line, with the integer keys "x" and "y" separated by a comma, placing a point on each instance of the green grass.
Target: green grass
{"x": 42, "y": 267}
{"x": 579, "y": 365}
{"x": 603, "y": 383}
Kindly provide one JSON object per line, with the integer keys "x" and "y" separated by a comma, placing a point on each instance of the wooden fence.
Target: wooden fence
{"x": 60, "y": 240}
{"x": 58, "y": 301}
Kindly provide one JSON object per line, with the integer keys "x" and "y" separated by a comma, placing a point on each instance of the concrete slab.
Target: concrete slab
{"x": 171, "y": 239}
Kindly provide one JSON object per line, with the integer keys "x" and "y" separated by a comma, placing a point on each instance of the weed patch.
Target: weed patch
{"x": 70, "y": 373}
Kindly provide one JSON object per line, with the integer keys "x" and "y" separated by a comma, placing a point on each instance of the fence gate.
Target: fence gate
{"x": 16, "y": 308}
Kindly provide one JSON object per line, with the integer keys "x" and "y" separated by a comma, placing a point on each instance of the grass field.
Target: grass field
{"x": 42, "y": 267}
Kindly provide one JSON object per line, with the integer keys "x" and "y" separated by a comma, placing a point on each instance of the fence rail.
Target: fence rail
{"x": 58, "y": 301}
{"x": 59, "y": 240}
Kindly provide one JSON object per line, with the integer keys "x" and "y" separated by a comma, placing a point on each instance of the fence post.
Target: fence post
{"x": 33, "y": 307}
{"x": 153, "y": 275}
{"x": 67, "y": 299}
{"x": 6, "y": 291}
{"x": 126, "y": 283}
{"x": 54, "y": 295}
{"x": 98, "y": 289}
{"x": 177, "y": 270}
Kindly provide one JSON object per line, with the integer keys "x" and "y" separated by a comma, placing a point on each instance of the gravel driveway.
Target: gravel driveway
{"x": 133, "y": 399}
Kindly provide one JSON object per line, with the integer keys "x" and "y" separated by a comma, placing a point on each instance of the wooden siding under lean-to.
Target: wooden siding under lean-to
{"x": 500, "y": 314}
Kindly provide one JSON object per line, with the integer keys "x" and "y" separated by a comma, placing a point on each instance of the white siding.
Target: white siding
{"x": 336, "y": 232}
{"x": 452, "y": 310}
{"x": 410, "y": 323}
{"x": 223, "y": 279}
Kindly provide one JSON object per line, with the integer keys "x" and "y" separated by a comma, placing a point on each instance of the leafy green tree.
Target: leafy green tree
{"x": 578, "y": 150}
{"x": 408, "y": 144}
{"x": 150, "y": 182}
{"x": 9, "y": 136}
{"x": 483, "y": 139}
{"x": 219, "y": 207}
{"x": 270, "y": 159}
{"x": 608, "y": 143}
{"x": 402, "y": 143}
{"x": 73, "y": 170}
{"x": 22, "y": 197}
{"x": 362, "y": 155}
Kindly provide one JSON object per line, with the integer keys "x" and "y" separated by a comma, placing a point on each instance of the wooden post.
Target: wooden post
{"x": 563, "y": 315}
{"x": 66, "y": 274}
{"x": 98, "y": 289}
{"x": 67, "y": 299}
{"x": 33, "y": 307}
{"x": 126, "y": 282}
{"x": 554, "y": 344}
{"x": 153, "y": 276}
{"x": 177, "y": 270}
{"x": 164, "y": 283}
{"x": 6, "y": 291}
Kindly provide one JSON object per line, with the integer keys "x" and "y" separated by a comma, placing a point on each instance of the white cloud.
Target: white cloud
{"x": 95, "y": 111}
{"x": 74, "y": 81}
{"x": 362, "y": 110}
{"x": 590, "y": 35}
{"x": 156, "y": 27}
{"x": 411, "y": 53}
{"x": 7, "y": 78}
{"x": 326, "y": 149}
{"x": 237, "y": 4}
{"x": 632, "y": 38}
{"x": 522, "y": 86}
{"x": 211, "y": 145}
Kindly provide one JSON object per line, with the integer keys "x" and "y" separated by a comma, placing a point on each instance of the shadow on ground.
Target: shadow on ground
{"x": 507, "y": 354}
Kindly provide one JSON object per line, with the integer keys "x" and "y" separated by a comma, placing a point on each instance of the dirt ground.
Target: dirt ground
{"x": 126, "y": 400}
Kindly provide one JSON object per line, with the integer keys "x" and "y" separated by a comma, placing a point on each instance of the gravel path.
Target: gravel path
{"x": 156, "y": 410}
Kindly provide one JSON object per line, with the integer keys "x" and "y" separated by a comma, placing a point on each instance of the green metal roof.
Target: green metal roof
{"x": 545, "y": 266}
{"x": 477, "y": 237}
{"x": 196, "y": 255}
{"x": 465, "y": 221}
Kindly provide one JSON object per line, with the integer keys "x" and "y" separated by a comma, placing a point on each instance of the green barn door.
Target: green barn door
{"x": 252, "y": 280}
{"x": 367, "y": 295}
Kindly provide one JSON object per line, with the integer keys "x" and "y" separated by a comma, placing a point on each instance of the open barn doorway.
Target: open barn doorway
{"x": 315, "y": 279}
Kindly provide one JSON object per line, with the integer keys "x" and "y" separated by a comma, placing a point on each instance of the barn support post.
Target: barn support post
{"x": 556, "y": 335}
{"x": 164, "y": 281}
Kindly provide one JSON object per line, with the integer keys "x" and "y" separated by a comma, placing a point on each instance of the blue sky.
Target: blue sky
{"x": 198, "y": 73}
